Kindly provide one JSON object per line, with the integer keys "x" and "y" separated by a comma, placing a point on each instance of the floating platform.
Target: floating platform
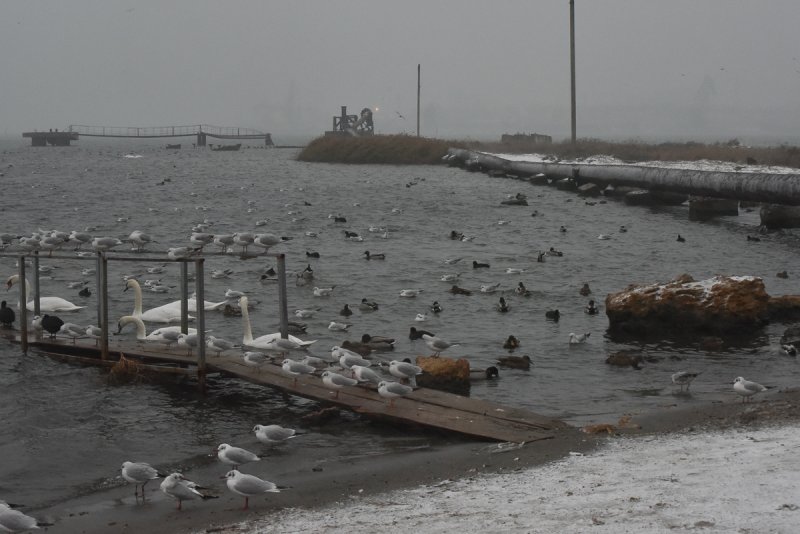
{"x": 51, "y": 138}
{"x": 426, "y": 407}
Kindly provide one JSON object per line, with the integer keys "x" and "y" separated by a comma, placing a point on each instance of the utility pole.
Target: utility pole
{"x": 572, "y": 65}
{"x": 418, "y": 90}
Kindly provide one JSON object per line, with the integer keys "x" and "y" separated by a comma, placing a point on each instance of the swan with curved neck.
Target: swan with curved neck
{"x": 168, "y": 313}
{"x": 262, "y": 341}
{"x": 168, "y": 333}
{"x": 46, "y": 304}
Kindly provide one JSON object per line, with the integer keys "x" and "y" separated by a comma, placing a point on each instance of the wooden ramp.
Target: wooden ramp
{"x": 428, "y": 407}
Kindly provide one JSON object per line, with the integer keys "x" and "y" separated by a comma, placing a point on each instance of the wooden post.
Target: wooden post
{"x": 572, "y": 66}
{"x": 23, "y": 305}
{"x": 103, "y": 305}
{"x": 282, "y": 301}
{"x": 37, "y": 310}
{"x": 99, "y": 286}
{"x": 418, "y": 92}
{"x": 185, "y": 297}
{"x": 201, "y": 322}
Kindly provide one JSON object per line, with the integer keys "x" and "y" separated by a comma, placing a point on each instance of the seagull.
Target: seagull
{"x": 452, "y": 277}
{"x": 323, "y": 291}
{"x": 746, "y": 388}
{"x": 102, "y": 244}
{"x": 255, "y": 358}
{"x": 789, "y": 350}
{"x": 489, "y": 288}
{"x": 139, "y": 239}
{"x": 365, "y": 374}
{"x": 15, "y": 521}
{"x": 181, "y": 489}
{"x": 453, "y": 261}
{"x": 219, "y": 345}
{"x": 409, "y": 293}
{"x": 392, "y": 390}
{"x": 421, "y": 317}
{"x": 248, "y": 485}
{"x": 180, "y": 253}
{"x": 338, "y": 327}
{"x": 270, "y": 434}
{"x": 295, "y": 369}
{"x": 72, "y": 330}
{"x": 404, "y": 370}
{"x": 235, "y": 456}
{"x": 437, "y": 344}
{"x": 305, "y": 314}
{"x": 337, "y": 381}
{"x": 514, "y": 270}
{"x": 683, "y": 378}
{"x": 578, "y": 338}
{"x": 187, "y": 340}
{"x": 139, "y": 473}
{"x": 348, "y": 359}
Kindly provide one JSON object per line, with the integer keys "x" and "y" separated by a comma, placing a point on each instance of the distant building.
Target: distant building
{"x": 528, "y": 139}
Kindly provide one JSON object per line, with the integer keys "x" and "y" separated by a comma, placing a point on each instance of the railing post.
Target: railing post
{"x": 201, "y": 322}
{"x": 36, "y": 293}
{"x": 282, "y": 301}
{"x": 185, "y": 297}
{"x": 104, "y": 306}
{"x": 99, "y": 286}
{"x": 23, "y": 305}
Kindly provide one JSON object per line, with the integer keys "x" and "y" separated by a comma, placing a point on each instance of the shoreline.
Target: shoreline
{"x": 114, "y": 510}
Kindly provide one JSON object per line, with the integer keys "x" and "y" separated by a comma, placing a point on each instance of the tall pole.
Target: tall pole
{"x": 572, "y": 64}
{"x": 419, "y": 85}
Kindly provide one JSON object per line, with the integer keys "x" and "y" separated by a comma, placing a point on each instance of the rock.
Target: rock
{"x": 721, "y": 304}
{"x": 704, "y": 208}
{"x": 538, "y": 179}
{"x": 589, "y": 190}
{"x": 774, "y": 216}
{"x": 625, "y": 358}
{"x": 784, "y": 308}
{"x": 566, "y": 184}
{"x": 446, "y": 374}
{"x": 643, "y": 197}
{"x": 791, "y": 336}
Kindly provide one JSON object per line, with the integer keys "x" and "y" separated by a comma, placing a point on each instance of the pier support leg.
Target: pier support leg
{"x": 200, "y": 298}
{"x": 282, "y": 300}
{"x": 23, "y": 306}
{"x": 201, "y": 139}
{"x": 37, "y": 310}
{"x": 103, "y": 278}
{"x": 185, "y": 297}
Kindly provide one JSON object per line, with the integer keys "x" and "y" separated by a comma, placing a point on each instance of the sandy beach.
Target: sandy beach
{"x": 115, "y": 510}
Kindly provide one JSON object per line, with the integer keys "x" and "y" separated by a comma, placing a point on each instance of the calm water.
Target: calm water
{"x": 67, "y": 430}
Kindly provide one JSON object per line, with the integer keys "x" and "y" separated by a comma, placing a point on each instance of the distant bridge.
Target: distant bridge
{"x": 200, "y": 131}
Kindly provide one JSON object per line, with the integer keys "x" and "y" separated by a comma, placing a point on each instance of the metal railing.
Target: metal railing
{"x": 220, "y": 132}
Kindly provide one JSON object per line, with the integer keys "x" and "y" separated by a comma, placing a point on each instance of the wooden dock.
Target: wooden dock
{"x": 426, "y": 407}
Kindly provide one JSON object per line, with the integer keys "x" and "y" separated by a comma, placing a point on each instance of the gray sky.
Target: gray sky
{"x": 646, "y": 69}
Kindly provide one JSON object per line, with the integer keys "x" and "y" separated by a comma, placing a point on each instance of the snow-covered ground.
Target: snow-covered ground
{"x": 735, "y": 480}
{"x": 701, "y": 165}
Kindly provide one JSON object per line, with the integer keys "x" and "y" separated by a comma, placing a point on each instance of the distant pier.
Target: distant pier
{"x": 52, "y": 138}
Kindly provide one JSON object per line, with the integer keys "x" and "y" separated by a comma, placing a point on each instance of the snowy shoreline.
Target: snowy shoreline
{"x": 727, "y": 480}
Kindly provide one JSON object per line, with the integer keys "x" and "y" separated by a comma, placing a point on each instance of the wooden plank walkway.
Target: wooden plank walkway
{"x": 427, "y": 407}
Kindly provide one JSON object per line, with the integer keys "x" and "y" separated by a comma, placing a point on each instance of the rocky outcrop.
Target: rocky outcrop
{"x": 723, "y": 304}
{"x": 443, "y": 373}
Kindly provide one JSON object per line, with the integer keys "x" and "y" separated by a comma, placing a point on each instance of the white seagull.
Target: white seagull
{"x": 235, "y": 456}
{"x": 323, "y": 291}
{"x": 15, "y": 521}
{"x": 578, "y": 338}
{"x": 393, "y": 390}
{"x": 437, "y": 344}
{"x": 410, "y": 293}
{"x": 683, "y": 378}
{"x": 270, "y": 434}
{"x": 139, "y": 473}
{"x": 746, "y": 388}
{"x": 337, "y": 381}
{"x": 248, "y": 485}
{"x": 295, "y": 369}
{"x": 182, "y": 489}
{"x": 405, "y": 370}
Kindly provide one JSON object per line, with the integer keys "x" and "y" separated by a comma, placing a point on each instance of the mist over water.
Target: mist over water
{"x": 68, "y": 430}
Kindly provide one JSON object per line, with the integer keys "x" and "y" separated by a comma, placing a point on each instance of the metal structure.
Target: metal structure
{"x": 200, "y": 131}
{"x": 353, "y": 125}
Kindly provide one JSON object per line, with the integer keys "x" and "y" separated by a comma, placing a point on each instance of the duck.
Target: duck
{"x": 591, "y": 309}
{"x": 455, "y": 290}
{"x": 490, "y": 373}
{"x": 540, "y": 257}
{"x": 562, "y": 228}
{"x": 522, "y": 290}
{"x": 680, "y": 239}
{"x": 312, "y": 254}
{"x": 84, "y": 292}
{"x": 374, "y": 256}
{"x": 436, "y": 307}
{"x": 783, "y": 274}
{"x": 511, "y": 343}
{"x": 7, "y": 315}
{"x": 553, "y": 315}
{"x": 622, "y": 229}
{"x": 585, "y": 290}
{"x": 515, "y": 362}
{"x": 368, "y": 305}
{"x": 46, "y": 304}
{"x": 346, "y": 311}
{"x": 380, "y": 343}
{"x": 753, "y": 238}
{"x": 554, "y": 252}
{"x": 417, "y": 333}
{"x": 625, "y": 358}
{"x": 502, "y": 306}
{"x": 477, "y": 265}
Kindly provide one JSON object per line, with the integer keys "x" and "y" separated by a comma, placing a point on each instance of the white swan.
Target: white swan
{"x": 168, "y": 313}
{"x": 262, "y": 342}
{"x": 167, "y": 334}
{"x": 46, "y": 304}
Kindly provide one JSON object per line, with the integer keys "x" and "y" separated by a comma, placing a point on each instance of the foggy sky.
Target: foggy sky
{"x": 646, "y": 69}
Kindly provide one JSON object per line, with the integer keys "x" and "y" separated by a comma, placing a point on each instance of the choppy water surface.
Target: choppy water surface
{"x": 67, "y": 430}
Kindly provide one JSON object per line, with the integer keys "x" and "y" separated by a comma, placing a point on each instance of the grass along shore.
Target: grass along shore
{"x": 411, "y": 150}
